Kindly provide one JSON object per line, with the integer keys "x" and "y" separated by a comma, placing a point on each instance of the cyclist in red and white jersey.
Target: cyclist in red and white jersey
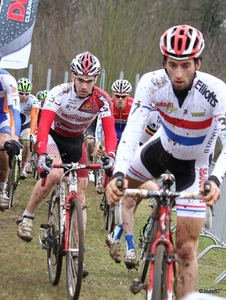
{"x": 192, "y": 108}
{"x": 68, "y": 111}
{"x": 122, "y": 103}
{"x": 10, "y": 126}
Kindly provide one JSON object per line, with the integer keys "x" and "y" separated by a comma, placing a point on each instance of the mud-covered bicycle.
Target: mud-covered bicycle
{"x": 63, "y": 232}
{"x": 158, "y": 252}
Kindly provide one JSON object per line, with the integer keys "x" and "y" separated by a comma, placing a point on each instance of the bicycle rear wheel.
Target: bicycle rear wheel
{"x": 147, "y": 250}
{"x": 75, "y": 253}
{"x": 13, "y": 181}
{"x": 109, "y": 219}
{"x": 54, "y": 241}
{"x": 160, "y": 280}
{"x": 10, "y": 188}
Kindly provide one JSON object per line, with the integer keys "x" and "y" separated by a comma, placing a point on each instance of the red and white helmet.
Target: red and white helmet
{"x": 121, "y": 86}
{"x": 85, "y": 63}
{"x": 182, "y": 42}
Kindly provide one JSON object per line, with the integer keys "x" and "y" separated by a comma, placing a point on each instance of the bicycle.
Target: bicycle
{"x": 158, "y": 252}
{"x": 34, "y": 165}
{"x": 14, "y": 174}
{"x": 108, "y": 210}
{"x": 63, "y": 232}
{"x": 14, "y": 171}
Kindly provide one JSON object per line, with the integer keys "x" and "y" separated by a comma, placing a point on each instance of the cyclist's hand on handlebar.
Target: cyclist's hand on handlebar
{"x": 114, "y": 191}
{"x": 33, "y": 139}
{"x": 45, "y": 165}
{"x": 211, "y": 194}
{"x": 13, "y": 147}
{"x": 108, "y": 162}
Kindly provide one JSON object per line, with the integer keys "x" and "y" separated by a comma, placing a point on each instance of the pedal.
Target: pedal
{"x": 136, "y": 286}
{"x": 44, "y": 226}
{"x": 172, "y": 258}
{"x": 102, "y": 205}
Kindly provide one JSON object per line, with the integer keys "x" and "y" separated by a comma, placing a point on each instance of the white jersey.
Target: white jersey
{"x": 25, "y": 108}
{"x": 187, "y": 132}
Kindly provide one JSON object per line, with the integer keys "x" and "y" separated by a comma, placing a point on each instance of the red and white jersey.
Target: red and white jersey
{"x": 69, "y": 116}
{"x": 121, "y": 117}
{"x": 187, "y": 132}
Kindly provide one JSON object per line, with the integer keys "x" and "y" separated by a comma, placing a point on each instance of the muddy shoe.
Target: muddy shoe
{"x": 24, "y": 228}
{"x": 130, "y": 259}
{"x": 23, "y": 173}
{"x": 115, "y": 248}
{"x": 4, "y": 199}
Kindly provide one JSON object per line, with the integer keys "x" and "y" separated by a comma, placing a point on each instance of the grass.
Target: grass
{"x": 23, "y": 265}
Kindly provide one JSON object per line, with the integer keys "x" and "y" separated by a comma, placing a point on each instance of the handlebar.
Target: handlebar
{"x": 77, "y": 166}
{"x": 164, "y": 194}
{"x": 71, "y": 166}
{"x": 9, "y": 145}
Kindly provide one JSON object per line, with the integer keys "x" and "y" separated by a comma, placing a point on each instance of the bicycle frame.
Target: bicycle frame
{"x": 161, "y": 253}
{"x": 71, "y": 181}
{"x": 14, "y": 170}
{"x": 70, "y": 178}
{"x": 64, "y": 233}
{"x": 163, "y": 236}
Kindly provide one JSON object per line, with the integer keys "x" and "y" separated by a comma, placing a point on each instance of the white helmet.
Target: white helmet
{"x": 182, "y": 42}
{"x": 121, "y": 86}
{"x": 85, "y": 63}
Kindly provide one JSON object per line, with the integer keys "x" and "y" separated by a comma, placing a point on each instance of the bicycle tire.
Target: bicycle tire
{"x": 104, "y": 200}
{"x": 10, "y": 188}
{"x": 12, "y": 182}
{"x": 75, "y": 253}
{"x": 147, "y": 248}
{"x": 160, "y": 267}
{"x": 54, "y": 239}
{"x": 111, "y": 219}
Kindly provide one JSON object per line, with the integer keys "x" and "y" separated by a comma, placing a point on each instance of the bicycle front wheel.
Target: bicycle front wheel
{"x": 75, "y": 253}
{"x": 54, "y": 241}
{"x": 160, "y": 286}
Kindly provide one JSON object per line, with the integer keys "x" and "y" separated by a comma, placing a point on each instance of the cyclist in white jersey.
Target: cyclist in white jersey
{"x": 192, "y": 109}
{"x": 10, "y": 126}
{"x": 29, "y": 110}
{"x": 68, "y": 111}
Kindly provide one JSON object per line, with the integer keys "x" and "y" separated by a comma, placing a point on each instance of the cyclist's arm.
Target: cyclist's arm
{"x": 218, "y": 173}
{"x": 45, "y": 122}
{"x": 34, "y": 119}
{"x": 13, "y": 105}
{"x": 108, "y": 124}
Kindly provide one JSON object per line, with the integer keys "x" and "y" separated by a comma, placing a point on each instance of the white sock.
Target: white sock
{"x": 2, "y": 185}
{"x": 28, "y": 214}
